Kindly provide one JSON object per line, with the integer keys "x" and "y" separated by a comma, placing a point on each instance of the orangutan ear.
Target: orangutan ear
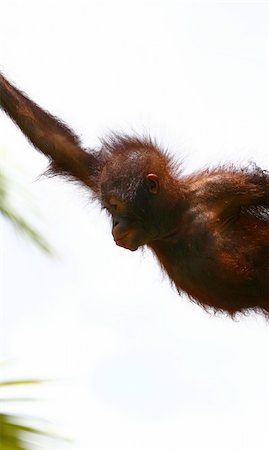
{"x": 153, "y": 183}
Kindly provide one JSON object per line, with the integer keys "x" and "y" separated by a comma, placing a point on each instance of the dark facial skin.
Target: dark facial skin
{"x": 128, "y": 229}
{"x": 208, "y": 230}
{"x": 122, "y": 224}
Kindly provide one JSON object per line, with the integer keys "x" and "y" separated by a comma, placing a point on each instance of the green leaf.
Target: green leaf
{"x": 21, "y": 382}
{"x": 19, "y": 222}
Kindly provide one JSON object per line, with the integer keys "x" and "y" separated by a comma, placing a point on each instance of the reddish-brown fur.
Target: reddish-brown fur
{"x": 209, "y": 230}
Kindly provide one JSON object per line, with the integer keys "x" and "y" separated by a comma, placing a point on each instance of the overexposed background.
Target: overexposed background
{"x": 141, "y": 368}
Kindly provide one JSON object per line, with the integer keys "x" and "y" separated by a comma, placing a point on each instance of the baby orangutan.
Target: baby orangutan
{"x": 209, "y": 230}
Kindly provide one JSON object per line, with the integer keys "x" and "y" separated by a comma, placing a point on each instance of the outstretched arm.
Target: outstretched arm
{"x": 49, "y": 135}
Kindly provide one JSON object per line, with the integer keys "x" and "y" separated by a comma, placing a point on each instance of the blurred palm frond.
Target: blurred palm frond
{"x": 17, "y": 220}
{"x": 23, "y": 432}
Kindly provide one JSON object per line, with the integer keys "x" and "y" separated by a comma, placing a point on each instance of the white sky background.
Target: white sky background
{"x": 144, "y": 368}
